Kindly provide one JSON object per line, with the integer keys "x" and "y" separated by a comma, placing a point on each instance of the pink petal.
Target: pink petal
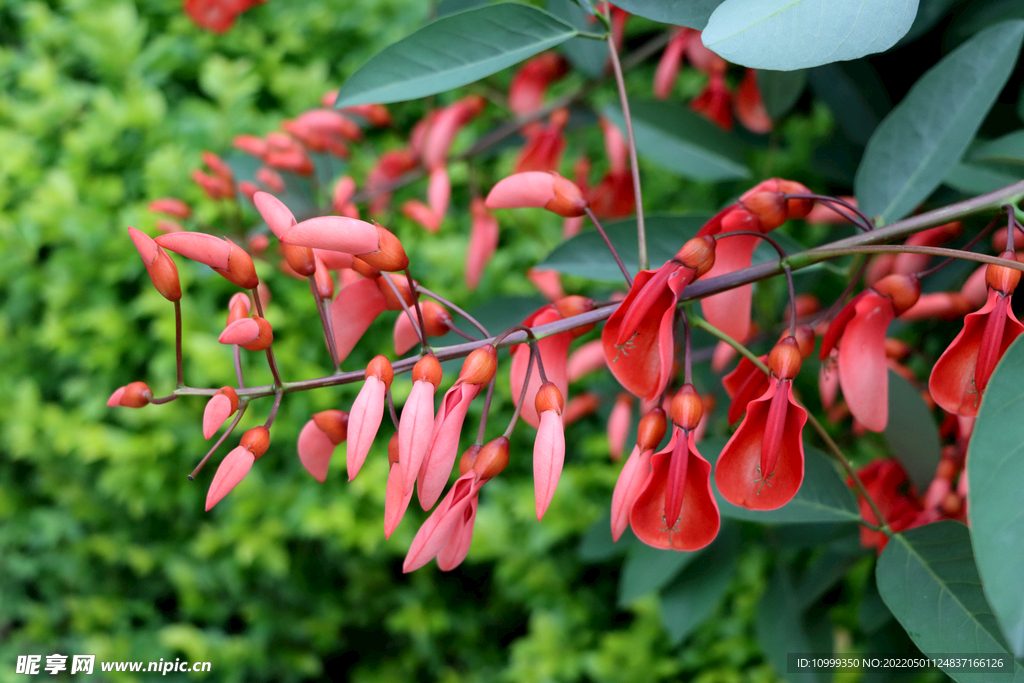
{"x": 315, "y": 451}
{"x": 457, "y": 547}
{"x": 333, "y": 260}
{"x": 483, "y": 241}
{"x": 353, "y": 310}
{"x": 422, "y": 214}
{"x": 115, "y": 398}
{"x": 218, "y": 409}
{"x": 863, "y": 373}
{"x": 232, "y": 470}
{"x": 363, "y": 422}
{"x": 206, "y": 249}
{"x": 415, "y": 431}
{"x": 554, "y": 351}
{"x": 274, "y": 212}
{"x": 444, "y": 443}
{"x": 586, "y": 359}
{"x": 619, "y": 421}
{"x": 627, "y": 488}
{"x": 668, "y": 65}
{"x": 530, "y": 189}
{"x": 145, "y": 244}
{"x": 437, "y": 530}
{"x": 547, "y": 282}
{"x": 548, "y": 458}
{"x": 439, "y": 191}
{"x": 336, "y": 233}
{"x": 240, "y": 332}
{"x": 396, "y": 502}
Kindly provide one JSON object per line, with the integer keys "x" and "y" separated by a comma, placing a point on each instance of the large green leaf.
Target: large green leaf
{"x": 780, "y": 90}
{"x": 587, "y": 55}
{"x": 693, "y": 596}
{"x": 586, "y": 255}
{"x": 928, "y": 579}
{"x": 977, "y": 178}
{"x": 1008, "y": 149}
{"x": 682, "y": 141}
{"x": 994, "y": 499}
{"x": 454, "y": 50}
{"x": 823, "y": 496}
{"x": 782, "y": 629}
{"x": 692, "y": 13}
{"x": 929, "y": 13}
{"x": 795, "y": 34}
{"x": 911, "y": 433}
{"x": 921, "y": 139}
{"x": 647, "y": 570}
{"x": 856, "y": 95}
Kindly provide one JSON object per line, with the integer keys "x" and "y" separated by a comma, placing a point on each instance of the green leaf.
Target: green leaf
{"x": 1008, "y": 149}
{"x": 823, "y": 496}
{"x": 589, "y": 56}
{"x": 781, "y": 628}
{"x": 928, "y": 579}
{"x": 454, "y": 50}
{"x": 691, "y": 13}
{"x": 855, "y": 94}
{"x": 597, "y": 544}
{"x": 921, "y": 139}
{"x": 682, "y": 141}
{"x": 997, "y": 471}
{"x": 446, "y": 7}
{"x": 780, "y": 90}
{"x": 977, "y": 178}
{"x": 648, "y": 570}
{"x": 796, "y": 34}
{"x": 826, "y": 572}
{"x": 929, "y": 13}
{"x": 586, "y": 254}
{"x": 693, "y": 596}
{"x": 911, "y": 433}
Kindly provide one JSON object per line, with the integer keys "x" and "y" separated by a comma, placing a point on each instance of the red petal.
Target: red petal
{"x": 315, "y": 451}
{"x": 737, "y": 473}
{"x": 218, "y": 409}
{"x": 628, "y": 486}
{"x": 548, "y": 458}
{"x": 353, "y": 311}
{"x": 274, "y": 212}
{"x": 554, "y": 352}
{"x": 241, "y": 331}
{"x": 396, "y": 502}
{"x": 457, "y": 547}
{"x": 483, "y": 241}
{"x": 729, "y": 311}
{"x": 444, "y": 443}
{"x": 415, "y": 430}
{"x": 439, "y": 191}
{"x": 336, "y": 233}
{"x": 232, "y": 470}
{"x": 207, "y": 249}
{"x": 530, "y": 189}
{"x": 863, "y": 372}
{"x": 437, "y": 530}
{"x": 699, "y": 519}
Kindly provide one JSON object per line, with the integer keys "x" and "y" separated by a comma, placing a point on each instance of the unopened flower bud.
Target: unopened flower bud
{"x": 698, "y": 254}
{"x": 568, "y": 306}
{"x": 402, "y": 285}
{"x": 393, "y": 449}
{"x": 380, "y": 367}
{"x": 238, "y": 307}
{"x": 256, "y": 441}
{"x": 333, "y": 423}
{"x": 687, "y": 408}
{"x": 299, "y": 258}
{"x": 391, "y": 255}
{"x": 480, "y": 365}
{"x": 159, "y": 265}
{"x": 770, "y": 208}
{"x": 796, "y": 208}
{"x": 952, "y": 504}
{"x": 134, "y": 395}
{"x": 569, "y": 201}
{"x": 805, "y": 340}
{"x": 492, "y": 459}
{"x": 651, "y": 430}
{"x": 1001, "y": 278}
{"x": 549, "y": 398}
{"x": 904, "y": 290}
{"x": 436, "y": 318}
{"x": 784, "y": 360}
{"x": 468, "y": 459}
{"x": 364, "y": 268}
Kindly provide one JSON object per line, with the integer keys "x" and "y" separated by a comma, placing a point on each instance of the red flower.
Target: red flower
{"x": 634, "y": 473}
{"x": 889, "y": 486}
{"x": 762, "y": 465}
{"x": 675, "y": 509}
{"x": 639, "y": 337}
{"x": 959, "y": 378}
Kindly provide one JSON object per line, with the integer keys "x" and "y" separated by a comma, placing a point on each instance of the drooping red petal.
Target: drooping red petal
{"x": 415, "y": 430}
{"x": 437, "y": 530}
{"x": 417, "y": 211}
{"x": 439, "y": 191}
{"x": 737, "y": 473}
{"x": 405, "y": 335}
{"x": 315, "y": 450}
{"x": 668, "y": 65}
{"x": 554, "y": 351}
{"x": 699, "y": 519}
{"x": 952, "y": 383}
{"x": 336, "y": 233}
{"x": 628, "y": 486}
{"x": 548, "y": 458}
{"x": 838, "y": 326}
{"x": 584, "y": 360}
{"x": 743, "y": 385}
{"x": 278, "y": 217}
{"x": 240, "y": 332}
{"x": 218, "y": 409}
{"x": 729, "y": 311}
{"x": 363, "y": 423}
{"x": 863, "y": 372}
{"x": 483, "y": 241}
{"x": 619, "y": 422}
{"x": 231, "y": 471}
{"x": 396, "y": 501}
{"x": 750, "y": 108}
{"x": 444, "y": 443}
{"x": 457, "y": 547}
{"x": 353, "y": 310}
{"x": 678, "y": 462}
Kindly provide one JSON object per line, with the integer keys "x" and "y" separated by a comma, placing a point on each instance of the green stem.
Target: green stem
{"x": 703, "y": 324}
